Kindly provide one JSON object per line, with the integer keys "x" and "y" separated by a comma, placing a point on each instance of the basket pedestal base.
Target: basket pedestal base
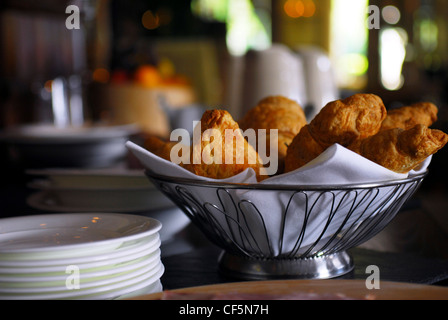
{"x": 324, "y": 267}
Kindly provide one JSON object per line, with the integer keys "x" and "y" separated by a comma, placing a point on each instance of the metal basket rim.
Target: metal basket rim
{"x": 229, "y": 185}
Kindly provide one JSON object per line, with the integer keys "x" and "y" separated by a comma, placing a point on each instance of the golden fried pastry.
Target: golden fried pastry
{"x": 302, "y": 150}
{"x": 223, "y": 151}
{"x": 407, "y": 117}
{"x": 275, "y": 112}
{"x": 159, "y": 147}
{"x": 343, "y": 121}
{"x": 280, "y": 113}
{"x": 401, "y": 150}
{"x": 220, "y": 152}
{"x": 348, "y": 120}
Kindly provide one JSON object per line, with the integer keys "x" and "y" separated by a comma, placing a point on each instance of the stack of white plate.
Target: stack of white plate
{"x": 79, "y": 256}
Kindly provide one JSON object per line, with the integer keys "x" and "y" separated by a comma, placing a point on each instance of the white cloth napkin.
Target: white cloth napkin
{"x": 161, "y": 166}
{"x": 276, "y": 223}
{"x": 338, "y": 166}
{"x": 335, "y": 166}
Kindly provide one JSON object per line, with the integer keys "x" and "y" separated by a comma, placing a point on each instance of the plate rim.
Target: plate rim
{"x": 44, "y": 185}
{"x": 151, "y": 226}
{"x": 152, "y": 275}
{"x": 118, "y": 278}
{"x": 19, "y": 135}
{"x": 149, "y": 241}
{"x": 143, "y": 251}
{"x": 70, "y": 172}
{"x": 137, "y": 263}
{"x": 34, "y": 202}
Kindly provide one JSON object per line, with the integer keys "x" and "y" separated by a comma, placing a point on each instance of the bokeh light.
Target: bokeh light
{"x": 391, "y": 14}
{"x": 150, "y": 20}
{"x": 299, "y": 8}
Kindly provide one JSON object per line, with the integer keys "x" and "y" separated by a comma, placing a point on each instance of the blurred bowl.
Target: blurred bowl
{"x": 94, "y": 179}
{"x": 95, "y": 190}
{"x": 38, "y": 146}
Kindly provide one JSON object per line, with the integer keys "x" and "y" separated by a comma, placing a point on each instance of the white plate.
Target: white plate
{"x": 103, "y": 179}
{"x": 48, "y": 279}
{"x": 69, "y": 202}
{"x": 152, "y": 284}
{"x": 61, "y": 285}
{"x": 142, "y": 280}
{"x": 131, "y": 291}
{"x": 43, "y": 184}
{"x": 72, "y": 235}
{"x": 152, "y": 288}
{"x": 126, "y": 249}
{"x": 83, "y": 266}
{"x": 49, "y": 134}
{"x": 43, "y": 146}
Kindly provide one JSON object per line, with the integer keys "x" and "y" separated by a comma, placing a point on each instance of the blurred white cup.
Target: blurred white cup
{"x": 321, "y": 86}
{"x": 273, "y": 71}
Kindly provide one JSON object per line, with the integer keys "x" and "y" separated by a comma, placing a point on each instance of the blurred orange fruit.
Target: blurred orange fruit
{"x": 148, "y": 76}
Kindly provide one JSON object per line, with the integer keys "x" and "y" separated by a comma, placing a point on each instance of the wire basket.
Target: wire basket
{"x": 283, "y": 231}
